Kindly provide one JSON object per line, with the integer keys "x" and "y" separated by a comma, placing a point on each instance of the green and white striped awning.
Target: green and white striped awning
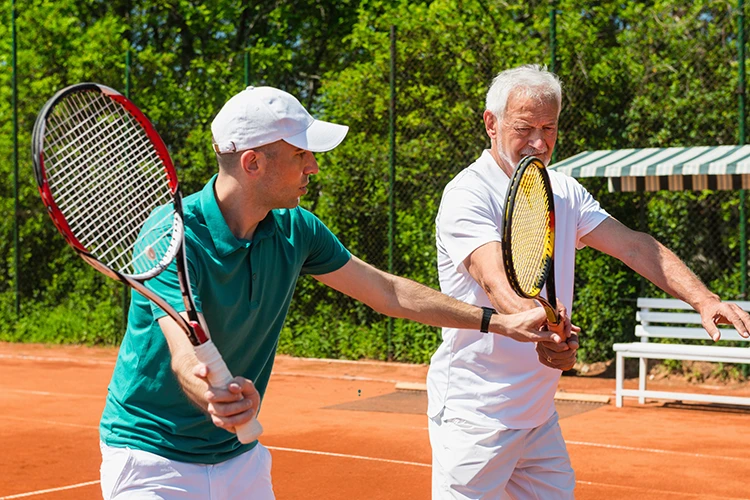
{"x": 674, "y": 169}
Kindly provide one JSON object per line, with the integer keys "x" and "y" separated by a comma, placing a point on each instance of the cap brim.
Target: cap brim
{"x": 319, "y": 137}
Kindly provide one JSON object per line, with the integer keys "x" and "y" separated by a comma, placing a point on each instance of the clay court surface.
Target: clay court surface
{"x": 341, "y": 430}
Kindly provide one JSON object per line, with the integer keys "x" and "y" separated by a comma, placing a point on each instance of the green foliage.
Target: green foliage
{"x": 91, "y": 318}
{"x": 333, "y": 326}
{"x": 187, "y": 59}
{"x": 635, "y": 74}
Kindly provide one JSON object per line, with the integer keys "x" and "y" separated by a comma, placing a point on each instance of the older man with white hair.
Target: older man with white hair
{"x": 493, "y": 426}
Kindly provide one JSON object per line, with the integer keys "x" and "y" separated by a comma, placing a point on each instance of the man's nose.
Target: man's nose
{"x": 312, "y": 165}
{"x": 536, "y": 140}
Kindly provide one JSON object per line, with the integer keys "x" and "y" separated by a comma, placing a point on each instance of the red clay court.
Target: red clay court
{"x": 341, "y": 430}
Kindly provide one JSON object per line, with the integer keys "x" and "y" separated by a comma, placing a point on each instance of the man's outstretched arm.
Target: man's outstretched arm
{"x": 655, "y": 262}
{"x": 403, "y": 298}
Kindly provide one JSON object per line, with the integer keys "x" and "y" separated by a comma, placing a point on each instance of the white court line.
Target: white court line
{"x": 51, "y": 490}
{"x": 63, "y": 394}
{"x": 400, "y": 462}
{"x": 587, "y": 483}
{"x": 342, "y": 455}
{"x": 356, "y": 362}
{"x": 574, "y": 443}
{"x": 336, "y": 377}
{"x": 285, "y": 374}
{"x": 654, "y": 450}
{"x": 652, "y": 490}
{"x": 50, "y": 422}
{"x": 89, "y": 361}
{"x": 83, "y": 361}
{"x": 276, "y": 448}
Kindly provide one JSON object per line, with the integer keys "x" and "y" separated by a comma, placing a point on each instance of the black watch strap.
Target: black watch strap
{"x": 487, "y": 313}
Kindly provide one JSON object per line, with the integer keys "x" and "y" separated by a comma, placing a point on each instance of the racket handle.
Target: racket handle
{"x": 553, "y": 319}
{"x": 219, "y": 376}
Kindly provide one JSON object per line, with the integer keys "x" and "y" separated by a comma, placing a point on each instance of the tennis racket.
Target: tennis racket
{"x": 529, "y": 235}
{"x": 111, "y": 189}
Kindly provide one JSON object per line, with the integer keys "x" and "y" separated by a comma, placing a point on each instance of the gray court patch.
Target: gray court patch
{"x": 415, "y": 403}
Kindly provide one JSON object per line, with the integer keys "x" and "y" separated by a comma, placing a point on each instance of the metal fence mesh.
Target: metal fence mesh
{"x": 631, "y": 78}
{"x": 634, "y": 74}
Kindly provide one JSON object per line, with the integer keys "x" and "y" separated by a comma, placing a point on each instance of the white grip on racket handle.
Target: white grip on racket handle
{"x": 219, "y": 376}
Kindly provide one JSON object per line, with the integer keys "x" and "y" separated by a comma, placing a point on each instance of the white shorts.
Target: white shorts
{"x": 471, "y": 461}
{"x": 134, "y": 474}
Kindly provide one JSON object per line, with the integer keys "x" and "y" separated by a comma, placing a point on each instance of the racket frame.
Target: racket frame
{"x": 196, "y": 337}
{"x": 550, "y": 303}
{"x": 205, "y": 350}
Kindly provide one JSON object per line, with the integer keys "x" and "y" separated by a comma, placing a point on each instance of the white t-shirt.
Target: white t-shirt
{"x": 483, "y": 377}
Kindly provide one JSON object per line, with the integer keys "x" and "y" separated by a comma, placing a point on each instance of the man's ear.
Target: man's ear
{"x": 490, "y": 124}
{"x": 250, "y": 161}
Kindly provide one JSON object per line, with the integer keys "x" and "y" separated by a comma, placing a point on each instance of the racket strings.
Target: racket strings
{"x": 107, "y": 179}
{"x": 71, "y": 178}
{"x": 68, "y": 182}
{"x": 103, "y": 180}
{"x": 532, "y": 236}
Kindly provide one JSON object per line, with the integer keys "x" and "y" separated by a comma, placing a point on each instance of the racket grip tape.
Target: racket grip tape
{"x": 220, "y": 376}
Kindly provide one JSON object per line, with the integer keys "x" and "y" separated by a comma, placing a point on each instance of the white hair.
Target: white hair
{"x": 532, "y": 80}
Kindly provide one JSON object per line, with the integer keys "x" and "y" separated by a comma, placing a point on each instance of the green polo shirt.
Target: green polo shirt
{"x": 243, "y": 289}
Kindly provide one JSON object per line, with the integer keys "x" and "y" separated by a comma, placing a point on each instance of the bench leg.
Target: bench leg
{"x": 642, "y": 374}
{"x": 619, "y": 376}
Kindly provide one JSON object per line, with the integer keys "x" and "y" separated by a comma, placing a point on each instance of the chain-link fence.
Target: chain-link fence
{"x": 632, "y": 77}
{"x": 676, "y": 72}
{"x": 638, "y": 74}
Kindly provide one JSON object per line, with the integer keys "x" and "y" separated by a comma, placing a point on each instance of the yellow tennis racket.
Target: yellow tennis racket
{"x": 529, "y": 235}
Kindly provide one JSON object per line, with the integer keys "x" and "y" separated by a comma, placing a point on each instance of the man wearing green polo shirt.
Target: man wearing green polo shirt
{"x": 165, "y": 433}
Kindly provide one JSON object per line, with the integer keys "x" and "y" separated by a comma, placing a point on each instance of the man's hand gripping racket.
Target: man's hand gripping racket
{"x": 529, "y": 235}
{"x": 111, "y": 189}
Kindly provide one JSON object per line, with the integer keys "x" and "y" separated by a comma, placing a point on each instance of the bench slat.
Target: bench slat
{"x": 685, "y": 352}
{"x": 668, "y": 317}
{"x": 683, "y": 332}
{"x": 651, "y": 303}
{"x": 687, "y": 396}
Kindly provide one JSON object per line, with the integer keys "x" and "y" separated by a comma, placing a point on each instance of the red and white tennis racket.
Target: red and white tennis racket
{"x": 111, "y": 189}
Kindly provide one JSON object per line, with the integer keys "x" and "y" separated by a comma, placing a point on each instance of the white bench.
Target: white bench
{"x": 657, "y": 319}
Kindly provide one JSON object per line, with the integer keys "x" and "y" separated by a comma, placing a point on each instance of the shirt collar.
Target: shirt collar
{"x": 490, "y": 167}
{"x": 224, "y": 241}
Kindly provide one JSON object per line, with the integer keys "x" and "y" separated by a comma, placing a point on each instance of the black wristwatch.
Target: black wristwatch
{"x": 487, "y": 313}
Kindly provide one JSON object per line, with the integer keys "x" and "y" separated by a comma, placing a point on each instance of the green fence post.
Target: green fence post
{"x": 391, "y": 176}
{"x": 14, "y": 98}
{"x": 553, "y": 50}
{"x": 247, "y": 67}
{"x": 741, "y": 98}
{"x": 125, "y": 291}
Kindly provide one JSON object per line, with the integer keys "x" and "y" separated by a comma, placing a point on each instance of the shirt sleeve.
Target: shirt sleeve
{"x": 590, "y": 212}
{"x": 325, "y": 252}
{"x": 467, "y": 220}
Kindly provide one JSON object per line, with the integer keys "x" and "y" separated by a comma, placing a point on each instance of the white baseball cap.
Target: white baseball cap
{"x": 262, "y": 115}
